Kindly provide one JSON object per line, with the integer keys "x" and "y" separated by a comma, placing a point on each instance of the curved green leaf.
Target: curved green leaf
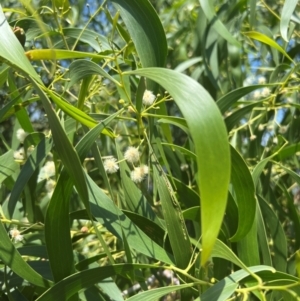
{"x": 111, "y": 217}
{"x": 153, "y": 230}
{"x": 209, "y": 11}
{"x": 286, "y": 14}
{"x": 83, "y": 68}
{"x": 248, "y": 246}
{"x": 12, "y": 51}
{"x": 226, "y": 287}
{"x": 12, "y": 258}
{"x": 64, "y": 147}
{"x": 236, "y": 116}
{"x": 135, "y": 201}
{"x": 263, "y": 238}
{"x": 156, "y": 294}
{"x": 177, "y": 232}
{"x": 252, "y": 13}
{"x": 182, "y": 150}
{"x": 145, "y": 30}
{"x": 95, "y": 40}
{"x": 277, "y": 234}
{"x": 8, "y": 166}
{"x": 287, "y": 152}
{"x": 244, "y": 192}
{"x": 187, "y": 64}
{"x": 58, "y": 54}
{"x": 211, "y": 146}
{"x": 87, "y": 278}
{"x": 57, "y": 228}
{"x": 177, "y": 121}
{"x": 75, "y": 113}
{"x": 226, "y": 101}
{"x": 31, "y": 164}
{"x": 223, "y": 251}
{"x": 265, "y": 39}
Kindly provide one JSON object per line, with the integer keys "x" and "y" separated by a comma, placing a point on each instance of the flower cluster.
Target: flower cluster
{"x": 132, "y": 156}
{"x": 111, "y": 165}
{"x": 260, "y": 80}
{"x": 264, "y": 92}
{"x": 21, "y": 135}
{"x": 19, "y": 154}
{"x": 139, "y": 173}
{"x": 148, "y": 98}
{"x": 47, "y": 171}
{"x": 50, "y": 185}
{"x": 16, "y": 234}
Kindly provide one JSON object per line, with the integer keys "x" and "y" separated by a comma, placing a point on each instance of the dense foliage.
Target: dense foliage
{"x": 149, "y": 150}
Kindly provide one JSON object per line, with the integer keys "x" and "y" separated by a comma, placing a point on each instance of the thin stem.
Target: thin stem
{"x": 87, "y": 23}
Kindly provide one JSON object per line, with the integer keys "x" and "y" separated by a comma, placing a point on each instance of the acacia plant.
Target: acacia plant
{"x": 143, "y": 139}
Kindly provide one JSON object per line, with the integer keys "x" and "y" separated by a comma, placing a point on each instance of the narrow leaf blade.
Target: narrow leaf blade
{"x": 212, "y": 149}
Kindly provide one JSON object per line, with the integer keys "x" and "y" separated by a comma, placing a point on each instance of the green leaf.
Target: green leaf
{"x": 177, "y": 121}
{"x": 153, "y": 230}
{"x": 8, "y": 166}
{"x": 244, "y": 192}
{"x": 30, "y": 166}
{"x": 156, "y": 294}
{"x": 236, "y": 116}
{"x": 293, "y": 211}
{"x": 223, "y": 251}
{"x": 186, "y": 194}
{"x": 248, "y": 247}
{"x": 62, "y": 6}
{"x": 287, "y": 152}
{"x": 146, "y": 31}
{"x": 3, "y": 74}
{"x": 13, "y": 106}
{"x": 83, "y": 68}
{"x": 210, "y": 14}
{"x": 192, "y": 213}
{"x": 64, "y": 147}
{"x": 84, "y": 279}
{"x": 12, "y": 51}
{"x": 12, "y": 258}
{"x": 258, "y": 169}
{"x": 58, "y": 54}
{"x": 34, "y": 250}
{"x": 211, "y": 147}
{"x": 266, "y": 40}
{"x": 187, "y": 64}
{"x": 277, "y": 234}
{"x": 226, "y": 287}
{"x": 177, "y": 232}
{"x": 271, "y": 274}
{"x": 21, "y": 114}
{"x": 229, "y": 99}
{"x": 57, "y": 228}
{"x": 263, "y": 238}
{"x": 74, "y": 112}
{"x": 111, "y": 217}
{"x": 92, "y": 38}
{"x": 286, "y": 14}
{"x": 182, "y": 150}
{"x": 133, "y": 197}
{"x": 252, "y": 13}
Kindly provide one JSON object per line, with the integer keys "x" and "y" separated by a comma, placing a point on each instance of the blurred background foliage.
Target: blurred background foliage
{"x": 245, "y": 54}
